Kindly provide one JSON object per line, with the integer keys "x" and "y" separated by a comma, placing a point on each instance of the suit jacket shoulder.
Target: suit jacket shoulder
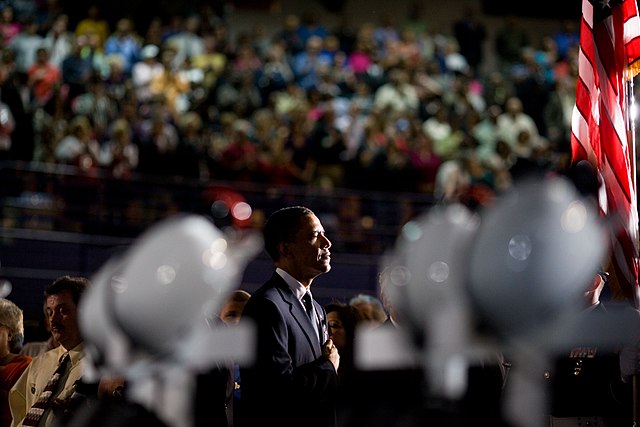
{"x": 34, "y": 379}
{"x": 289, "y": 366}
{"x": 276, "y": 311}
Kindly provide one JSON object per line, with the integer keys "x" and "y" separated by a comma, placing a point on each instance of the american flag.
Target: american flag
{"x": 602, "y": 129}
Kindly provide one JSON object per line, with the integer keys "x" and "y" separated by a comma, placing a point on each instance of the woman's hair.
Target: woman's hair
{"x": 11, "y": 317}
{"x": 349, "y": 315}
{"x": 375, "y": 310}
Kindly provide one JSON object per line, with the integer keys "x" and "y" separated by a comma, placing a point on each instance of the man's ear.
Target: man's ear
{"x": 283, "y": 248}
{"x": 598, "y": 283}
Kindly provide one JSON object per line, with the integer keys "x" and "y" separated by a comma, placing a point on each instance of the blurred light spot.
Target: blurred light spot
{"x": 457, "y": 214}
{"x": 412, "y": 231}
{"x": 367, "y": 222}
{"x": 399, "y": 275}
{"x": 5, "y": 288}
{"x": 217, "y": 260}
{"x": 119, "y": 284}
{"x": 241, "y": 211}
{"x": 219, "y": 245}
{"x": 165, "y": 274}
{"x": 439, "y": 271}
{"x": 574, "y": 217}
{"x": 215, "y": 257}
{"x": 86, "y": 162}
{"x": 219, "y": 209}
{"x": 520, "y": 247}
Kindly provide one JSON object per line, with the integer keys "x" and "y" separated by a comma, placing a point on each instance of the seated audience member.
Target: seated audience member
{"x": 225, "y": 380}
{"x": 370, "y": 307}
{"x": 35, "y": 348}
{"x": 232, "y": 310}
{"x": 78, "y": 147}
{"x": 62, "y": 298}
{"x": 387, "y": 395}
{"x": 12, "y": 364}
{"x": 43, "y": 79}
{"x": 342, "y": 322}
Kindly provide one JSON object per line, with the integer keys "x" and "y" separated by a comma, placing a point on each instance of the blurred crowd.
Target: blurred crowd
{"x": 391, "y": 106}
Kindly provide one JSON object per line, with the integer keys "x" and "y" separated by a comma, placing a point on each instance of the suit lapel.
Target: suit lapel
{"x": 322, "y": 318}
{"x": 298, "y": 313}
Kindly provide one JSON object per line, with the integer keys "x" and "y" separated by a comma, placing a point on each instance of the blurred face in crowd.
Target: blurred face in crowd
{"x": 62, "y": 313}
{"x": 231, "y": 312}
{"x": 336, "y": 330}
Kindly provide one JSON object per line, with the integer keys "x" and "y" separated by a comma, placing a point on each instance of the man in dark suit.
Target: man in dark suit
{"x": 293, "y": 379}
{"x": 585, "y": 384}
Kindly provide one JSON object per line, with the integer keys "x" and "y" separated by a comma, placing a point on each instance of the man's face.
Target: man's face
{"x": 336, "y": 330}
{"x": 308, "y": 254}
{"x": 62, "y": 313}
{"x": 231, "y": 312}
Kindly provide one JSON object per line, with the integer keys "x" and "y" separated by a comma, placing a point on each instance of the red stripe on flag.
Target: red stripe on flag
{"x": 600, "y": 130}
{"x": 616, "y": 158}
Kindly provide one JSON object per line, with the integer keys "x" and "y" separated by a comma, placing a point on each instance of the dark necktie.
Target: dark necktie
{"x": 308, "y": 305}
{"x": 44, "y": 400}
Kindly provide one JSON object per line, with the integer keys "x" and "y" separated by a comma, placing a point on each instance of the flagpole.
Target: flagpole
{"x": 631, "y": 126}
{"x": 631, "y": 133}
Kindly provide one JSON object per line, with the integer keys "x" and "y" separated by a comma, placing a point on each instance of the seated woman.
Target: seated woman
{"x": 12, "y": 364}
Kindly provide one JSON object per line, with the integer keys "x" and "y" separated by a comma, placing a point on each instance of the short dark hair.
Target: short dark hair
{"x": 239, "y": 295}
{"x": 281, "y": 226}
{"x": 74, "y": 284}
